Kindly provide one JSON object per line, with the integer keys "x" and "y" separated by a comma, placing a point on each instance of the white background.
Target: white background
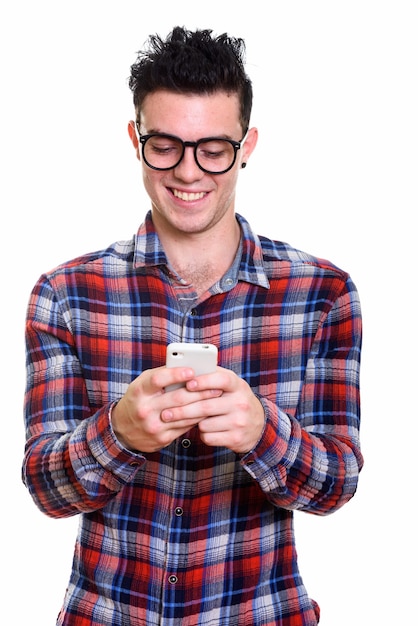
{"x": 334, "y": 173}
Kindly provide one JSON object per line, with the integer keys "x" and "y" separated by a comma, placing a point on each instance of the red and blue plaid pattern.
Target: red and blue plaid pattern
{"x": 191, "y": 535}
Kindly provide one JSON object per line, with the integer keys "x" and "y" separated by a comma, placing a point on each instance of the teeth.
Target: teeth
{"x": 188, "y": 197}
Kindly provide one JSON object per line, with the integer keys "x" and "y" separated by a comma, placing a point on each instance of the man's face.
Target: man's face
{"x": 186, "y": 199}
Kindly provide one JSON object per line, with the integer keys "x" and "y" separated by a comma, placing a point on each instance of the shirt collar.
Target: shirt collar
{"x": 149, "y": 252}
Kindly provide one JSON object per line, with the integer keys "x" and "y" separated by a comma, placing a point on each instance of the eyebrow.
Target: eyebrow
{"x": 153, "y": 131}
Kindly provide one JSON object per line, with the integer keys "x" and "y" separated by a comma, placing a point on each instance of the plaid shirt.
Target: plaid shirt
{"x": 191, "y": 534}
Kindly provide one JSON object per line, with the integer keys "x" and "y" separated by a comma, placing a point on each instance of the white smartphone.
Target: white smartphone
{"x": 201, "y": 357}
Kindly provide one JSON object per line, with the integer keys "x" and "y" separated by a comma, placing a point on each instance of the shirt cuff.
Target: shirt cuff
{"x": 108, "y": 451}
{"x": 276, "y": 450}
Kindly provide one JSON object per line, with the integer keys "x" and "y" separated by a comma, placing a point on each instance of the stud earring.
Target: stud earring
{"x": 243, "y": 165}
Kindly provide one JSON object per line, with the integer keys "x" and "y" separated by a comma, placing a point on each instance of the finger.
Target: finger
{"x": 221, "y": 379}
{"x": 183, "y": 397}
{"x": 162, "y": 377}
{"x": 176, "y": 376}
{"x": 190, "y": 406}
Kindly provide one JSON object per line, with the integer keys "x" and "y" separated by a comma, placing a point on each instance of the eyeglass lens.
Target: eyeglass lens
{"x": 212, "y": 155}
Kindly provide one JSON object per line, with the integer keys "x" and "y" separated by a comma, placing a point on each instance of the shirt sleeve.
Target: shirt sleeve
{"x": 73, "y": 462}
{"x": 311, "y": 460}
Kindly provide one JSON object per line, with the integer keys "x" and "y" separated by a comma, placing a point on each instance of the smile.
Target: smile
{"x": 188, "y": 197}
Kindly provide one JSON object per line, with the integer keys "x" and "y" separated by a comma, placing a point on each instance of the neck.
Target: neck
{"x": 202, "y": 258}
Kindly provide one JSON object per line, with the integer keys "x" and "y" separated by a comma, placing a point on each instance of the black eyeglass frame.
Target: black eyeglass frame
{"x": 189, "y": 144}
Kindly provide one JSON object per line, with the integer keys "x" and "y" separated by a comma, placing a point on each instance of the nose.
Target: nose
{"x": 188, "y": 170}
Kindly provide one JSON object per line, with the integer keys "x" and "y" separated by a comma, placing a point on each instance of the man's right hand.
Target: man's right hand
{"x": 136, "y": 418}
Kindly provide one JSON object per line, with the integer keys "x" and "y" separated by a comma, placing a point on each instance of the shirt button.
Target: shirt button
{"x": 172, "y": 579}
{"x": 178, "y": 511}
{"x": 193, "y": 312}
{"x": 228, "y": 282}
{"x": 186, "y": 443}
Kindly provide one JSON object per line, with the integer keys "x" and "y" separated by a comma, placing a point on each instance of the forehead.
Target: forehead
{"x": 191, "y": 115}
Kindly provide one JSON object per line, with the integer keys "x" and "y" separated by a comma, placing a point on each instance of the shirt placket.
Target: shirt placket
{"x": 177, "y": 555}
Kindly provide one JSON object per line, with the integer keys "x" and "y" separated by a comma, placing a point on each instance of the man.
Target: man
{"x": 186, "y": 496}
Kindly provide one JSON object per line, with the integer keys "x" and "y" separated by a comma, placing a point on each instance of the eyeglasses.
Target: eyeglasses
{"x": 213, "y": 155}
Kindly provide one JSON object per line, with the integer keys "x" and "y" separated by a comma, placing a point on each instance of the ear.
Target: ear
{"x": 134, "y": 137}
{"x": 249, "y": 144}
